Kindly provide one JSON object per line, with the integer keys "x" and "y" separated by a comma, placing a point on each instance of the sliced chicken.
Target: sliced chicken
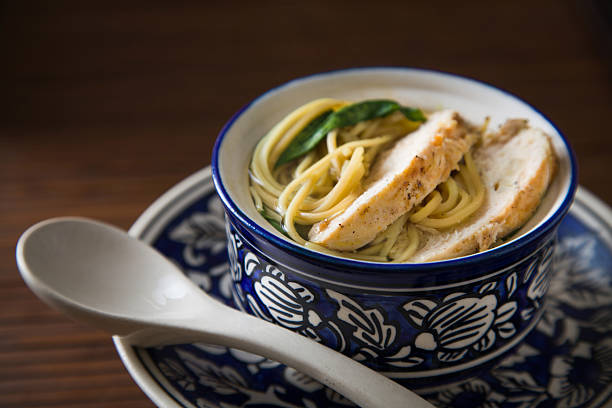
{"x": 516, "y": 166}
{"x": 400, "y": 178}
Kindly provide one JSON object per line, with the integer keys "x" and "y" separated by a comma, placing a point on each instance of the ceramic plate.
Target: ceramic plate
{"x": 565, "y": 362}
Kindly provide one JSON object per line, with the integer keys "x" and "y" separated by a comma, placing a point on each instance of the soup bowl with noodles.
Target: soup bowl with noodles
{"x": 421, "y": 323}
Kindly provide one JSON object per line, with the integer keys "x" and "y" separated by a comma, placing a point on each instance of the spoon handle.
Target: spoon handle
{"x": 236, "y": 329}
{"x": 99, "y": 275}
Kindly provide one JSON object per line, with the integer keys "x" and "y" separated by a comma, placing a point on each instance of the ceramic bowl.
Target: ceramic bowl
{"x": 417, "y": 323}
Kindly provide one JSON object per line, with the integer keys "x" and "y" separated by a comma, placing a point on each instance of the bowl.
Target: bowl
{"x": 417, "y": 323}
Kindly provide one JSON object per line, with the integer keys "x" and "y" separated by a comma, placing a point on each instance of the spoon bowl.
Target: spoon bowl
{"x": 99, "y": 275}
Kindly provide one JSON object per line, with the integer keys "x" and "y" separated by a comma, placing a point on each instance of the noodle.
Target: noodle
{"x": 326, "y": 180}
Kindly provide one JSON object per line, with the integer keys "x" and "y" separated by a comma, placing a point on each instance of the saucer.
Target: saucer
{"x": 566, "y": 361}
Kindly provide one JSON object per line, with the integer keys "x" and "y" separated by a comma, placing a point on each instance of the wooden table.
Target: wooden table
{"x": 104, "y": 107}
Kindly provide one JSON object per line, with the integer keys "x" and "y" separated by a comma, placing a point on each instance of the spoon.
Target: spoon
{"x": 99, "y": 275}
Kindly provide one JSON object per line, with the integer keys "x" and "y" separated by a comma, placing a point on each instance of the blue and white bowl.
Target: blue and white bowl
{"x": 418, "y": 323}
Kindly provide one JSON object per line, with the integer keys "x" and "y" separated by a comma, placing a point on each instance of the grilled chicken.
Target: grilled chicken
{"x": 516, "y": 166}
{"x": 401, "y": 178}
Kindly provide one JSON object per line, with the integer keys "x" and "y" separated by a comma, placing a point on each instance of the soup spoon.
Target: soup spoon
{"x": 99, "y": 275}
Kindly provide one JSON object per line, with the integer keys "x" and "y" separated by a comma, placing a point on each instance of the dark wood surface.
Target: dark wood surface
{"x": 106, "y": 105}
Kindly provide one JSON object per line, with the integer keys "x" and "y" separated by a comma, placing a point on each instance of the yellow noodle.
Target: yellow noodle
{"x": 485, "y": 125}
{"x": 273, "y": 215}
{"x": 452, "y": 194}
{"x": 450, "y": 220}
{"x": 393, "y": 232}
{"x": 268, "y": 199}
{"x": 385, "y": 240}
{"x": 323, "y": 187}
{"x": 369, "y": 131}
{"x": 290, "y": 126}
{"x": 463, "y": 179}
{"x": 353, "y": 133}
{"x": 311, "y": 217}
{"x": 288, "y": 222}
{"x": 329, "y": 178}
{"x": 321, "y": 166}
{"x": 256, "y": 199}
{"x": 413, "y": 244}
{"x": 372, "y": 249}
{"x": 379, "y": 238}
{"x": 432, "y": 204}
{"x": 307, "y": 161}
{"x": 332, "y": 144}
{"x": 462, "y": 211}
{"x": 464, "y": 199}
{"x": 476, "y": 187}
{"x": 260, "y": 171}
{"x": 350, "y": 178}
{"x": 269, "y": 149}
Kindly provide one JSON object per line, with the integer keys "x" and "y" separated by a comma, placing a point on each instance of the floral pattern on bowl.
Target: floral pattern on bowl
{"x": 566, "y": 361}
{"x": 438, "y": 330}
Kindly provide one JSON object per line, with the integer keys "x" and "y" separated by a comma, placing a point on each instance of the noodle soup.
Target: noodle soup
{"x": 329, "y": 157}
{"x": 409, "y": 321}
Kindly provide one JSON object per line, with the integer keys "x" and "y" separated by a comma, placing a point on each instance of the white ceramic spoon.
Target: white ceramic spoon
{"x": 99, "y": 275}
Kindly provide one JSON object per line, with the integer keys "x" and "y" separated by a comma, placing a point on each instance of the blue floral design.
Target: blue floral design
{"x": 565, "y": 362}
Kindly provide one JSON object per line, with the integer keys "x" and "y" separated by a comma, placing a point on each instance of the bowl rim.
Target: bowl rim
{"x": 365, "y": 268}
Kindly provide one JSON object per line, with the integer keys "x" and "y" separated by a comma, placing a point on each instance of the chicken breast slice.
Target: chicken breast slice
{"x": 401, "y": 178}
{"x": 516, "y": 166}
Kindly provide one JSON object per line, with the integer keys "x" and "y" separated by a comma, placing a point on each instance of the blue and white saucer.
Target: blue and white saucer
{"x": 565, "y": 362}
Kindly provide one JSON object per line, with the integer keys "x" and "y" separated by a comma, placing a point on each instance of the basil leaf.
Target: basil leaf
{"x": 358, "y": 112}
{"x": 305, "y": 141}
{"x": 274, "y": 223}
{"x": 413, "y": 114}
{"x": 349, "y": 115}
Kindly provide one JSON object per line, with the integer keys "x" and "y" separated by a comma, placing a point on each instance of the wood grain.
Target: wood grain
{"x": 106, "y": 105}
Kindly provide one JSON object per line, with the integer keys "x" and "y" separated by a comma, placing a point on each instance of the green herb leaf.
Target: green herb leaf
{"x": 304, "y": 141}
{"x": 358, "y": 112}
{"x": 413, "y": 114}
{"x": 350, "y": 115}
